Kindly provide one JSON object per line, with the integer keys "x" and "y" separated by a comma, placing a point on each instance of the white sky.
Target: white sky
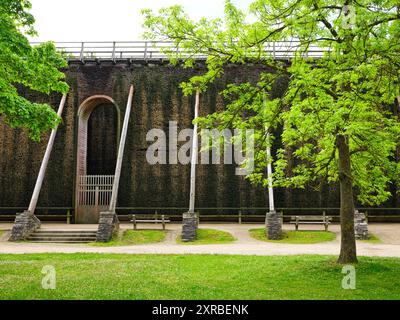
{"x": 109, "y": 20}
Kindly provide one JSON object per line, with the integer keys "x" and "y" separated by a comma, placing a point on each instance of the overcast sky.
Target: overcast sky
{"x": 109, "y": 20}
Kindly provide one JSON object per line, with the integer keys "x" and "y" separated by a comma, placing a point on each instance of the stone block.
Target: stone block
{"x": 273, "y": 223}
{"x": 108, "y": 226}
{"x": 189, "y": 226}
{"x": 360, "y": 226}
{"x": 25, "y": 224}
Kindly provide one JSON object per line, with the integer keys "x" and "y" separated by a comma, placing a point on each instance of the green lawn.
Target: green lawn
{"x": 209, "y": 236}
{"x": 132, "y": 237}
{"x": 114, "y": 276}
{"x": 372, "y": 239}
{"x": 296, "y": 237}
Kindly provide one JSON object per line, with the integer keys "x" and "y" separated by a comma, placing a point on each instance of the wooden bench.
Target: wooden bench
{"x": 133, "y": 219}
{"x": 324, "y": 219}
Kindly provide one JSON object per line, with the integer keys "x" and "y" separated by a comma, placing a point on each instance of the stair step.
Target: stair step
{"x": 62, "y": 239}
{"x": 67, "y": 231}
{"x": 63, "y": 236}
{"x": 59, "y": 241}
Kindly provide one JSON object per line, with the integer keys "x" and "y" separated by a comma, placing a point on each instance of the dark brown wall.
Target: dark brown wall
{"x": 102, "y": 144}
{"x": 157, "y": 100}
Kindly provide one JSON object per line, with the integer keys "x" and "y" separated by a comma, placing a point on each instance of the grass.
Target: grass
{"x": 209, "y": 236}
{"x": 134, "y": 237}
{"x": 296, "y": 237}
{"x": 211, "y": 277}
{"x": 372, "y": 238}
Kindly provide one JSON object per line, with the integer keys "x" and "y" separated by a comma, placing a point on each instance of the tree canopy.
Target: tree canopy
{"x": 338, "y": 111}
{"x": 36, "y": 68}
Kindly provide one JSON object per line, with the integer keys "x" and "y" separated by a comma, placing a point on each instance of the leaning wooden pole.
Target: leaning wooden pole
{"x": 269, "y": 165}
{"x": 26, "y": 222}
{"x": 109, "y": 223}
{"x": 190, "y": 220}
{"x": 194, "y": 156}
{"x": 269, "y": 172}
{"x": 273, "y": 222}
{"x": 121, "y": 148}
{"x": 45, "y": 161}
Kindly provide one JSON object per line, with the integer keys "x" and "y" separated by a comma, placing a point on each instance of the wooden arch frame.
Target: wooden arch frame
{"x": 85, "y": 110}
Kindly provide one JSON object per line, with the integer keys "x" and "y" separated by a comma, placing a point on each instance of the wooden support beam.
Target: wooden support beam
{"x": 269, "y": 171}
{"x": 269, "y": 168}
{"x": 45, "y": 161}
{"x": 113, "y": 53}
{"x": 193, "y": 161}
{"x": 118, "y": 166}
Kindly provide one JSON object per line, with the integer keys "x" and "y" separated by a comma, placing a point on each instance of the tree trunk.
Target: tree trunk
{"x": 348, "y": 242}
{"x": 396, "y": 184}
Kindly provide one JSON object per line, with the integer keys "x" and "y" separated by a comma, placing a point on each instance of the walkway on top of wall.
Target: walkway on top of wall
{"x": 245, "y": 245}
{"x": 155, "y": 50}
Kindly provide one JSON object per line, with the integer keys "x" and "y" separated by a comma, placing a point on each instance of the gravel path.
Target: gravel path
{"x": 244, "y": 245}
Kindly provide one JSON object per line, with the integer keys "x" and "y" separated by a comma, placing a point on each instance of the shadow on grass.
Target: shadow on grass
{"x": 296, "y": 237}
{"x": 372, "y": 239}
{"x": 134, "y": 237}
{"x": 209, "y": 236}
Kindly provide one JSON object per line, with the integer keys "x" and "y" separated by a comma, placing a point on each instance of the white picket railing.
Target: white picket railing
{"x": 95, "y": 190}
{"x": 152, "y": 50}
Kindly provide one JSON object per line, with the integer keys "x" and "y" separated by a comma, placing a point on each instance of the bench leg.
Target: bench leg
{"x": 163, "y": 222}
{"x": 326, "y": 227}
{"x": 133, "y": 220}
{"x": 297, "y": 227}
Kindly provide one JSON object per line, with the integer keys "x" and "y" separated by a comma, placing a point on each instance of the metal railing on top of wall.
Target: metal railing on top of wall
{"x": 153, "y": 50}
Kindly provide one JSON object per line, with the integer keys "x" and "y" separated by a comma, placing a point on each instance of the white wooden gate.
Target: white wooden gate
{"x": 93, "y": 195}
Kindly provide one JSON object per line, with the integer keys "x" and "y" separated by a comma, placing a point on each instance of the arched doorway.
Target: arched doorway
{"x": 98, "y": 135}
{"x": 103, "y": 134}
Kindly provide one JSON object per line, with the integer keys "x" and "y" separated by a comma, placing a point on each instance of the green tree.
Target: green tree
{"x": 338, "y": 111}
{"x": 36, "y": 68}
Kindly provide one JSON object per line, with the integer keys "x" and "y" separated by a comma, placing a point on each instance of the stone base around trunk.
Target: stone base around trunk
{"x": 360, "y": 226}
{"x": 189, "y": 226}
{"x": 273, "y": 226}
{"x": 25, "y": 224}
{"x": 108, "y": 226}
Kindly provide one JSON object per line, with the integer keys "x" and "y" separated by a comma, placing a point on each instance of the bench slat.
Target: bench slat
{"x": 320, "y": 220}
{"x": 135, "y": 221}
{"x": 309, "y": 217}
{"x": 310, "y": 222}
{"x": 151, "y": 220}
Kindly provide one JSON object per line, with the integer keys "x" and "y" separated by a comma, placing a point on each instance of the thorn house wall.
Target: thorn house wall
{"x": 157, "y": 101}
